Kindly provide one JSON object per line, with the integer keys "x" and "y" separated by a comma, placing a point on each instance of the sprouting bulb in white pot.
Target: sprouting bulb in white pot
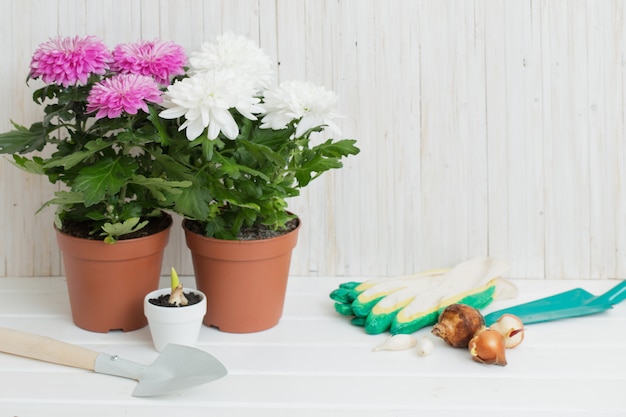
{"x": 177, "y": 296}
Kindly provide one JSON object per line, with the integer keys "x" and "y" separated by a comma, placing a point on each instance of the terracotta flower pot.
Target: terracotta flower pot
{"x": 178, "y": 325}
{"x": 107, "y": 283}
{"x": 244, "y": 281}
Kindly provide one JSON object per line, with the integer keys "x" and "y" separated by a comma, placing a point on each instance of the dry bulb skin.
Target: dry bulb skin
{"x": 511, "y": 328}
{"x": 487, "y": 347}
{"x": 177, "y": 297}
{"x": 457, "y": 324}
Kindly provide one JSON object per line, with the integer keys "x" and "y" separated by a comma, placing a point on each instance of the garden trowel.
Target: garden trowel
{"x": 177, "y": 367}
{"x": 572, "y": 303}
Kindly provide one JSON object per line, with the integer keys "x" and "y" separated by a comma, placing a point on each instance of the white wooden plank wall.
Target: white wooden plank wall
{"x": 486, "y": 127}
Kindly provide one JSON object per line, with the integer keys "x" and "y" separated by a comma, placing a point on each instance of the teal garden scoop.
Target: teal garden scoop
{"x": 177, "y": 367}
{"x": 572, "y": 303}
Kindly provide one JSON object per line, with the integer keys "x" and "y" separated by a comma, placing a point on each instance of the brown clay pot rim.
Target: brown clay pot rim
{"x": 242, "y": 242}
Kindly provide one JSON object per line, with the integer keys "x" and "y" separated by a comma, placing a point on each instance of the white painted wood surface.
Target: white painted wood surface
{"x": 487, "y": 127}
{"x": 314, "y": 363}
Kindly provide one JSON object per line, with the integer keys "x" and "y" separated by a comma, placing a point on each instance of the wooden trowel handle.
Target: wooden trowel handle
{"x": 46, "y": 349}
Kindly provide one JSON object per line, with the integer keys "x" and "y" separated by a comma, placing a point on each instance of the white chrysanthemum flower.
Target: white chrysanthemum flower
{"x": 237, "y": 54}
{"x": 312, "y": 105}
{"x": 205, "y": 100}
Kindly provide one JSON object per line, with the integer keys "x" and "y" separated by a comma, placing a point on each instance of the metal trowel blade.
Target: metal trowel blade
{"x": 179, "y": 367}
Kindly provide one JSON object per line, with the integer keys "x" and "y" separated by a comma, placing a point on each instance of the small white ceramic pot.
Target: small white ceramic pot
{"x": 176, "y": 325}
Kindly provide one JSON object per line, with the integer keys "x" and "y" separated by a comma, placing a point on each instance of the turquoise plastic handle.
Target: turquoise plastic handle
{"x": 572, "y": 303}
{"x": 613, "y": 296}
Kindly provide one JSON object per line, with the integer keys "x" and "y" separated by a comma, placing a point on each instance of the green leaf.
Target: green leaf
{"x": 339, "y": 148}
{"x": 133, "y": 209}
{"x": 106, "y": 176}
{"x": 76, "y": 158}
{"x": 96, "y": 215}
{"x": 33, "y": 166}
{"x": 159, "y": 186}
{"x": 114, "y": 230}
{"x": 64, "y": 198}
{"x": 215, "y": 228}
{"x": 322, "y": 158}
{"x": 274, "y": 139}
{"x": 209, "y": 146}
{"x": 47, "y": 92}
{"x": 23, "y": 140}
{"x": 313, "y": 168}
{"x": 138, "y": 137}
{"x": 260, "y": 152}
{"x": 252, "y": 206}
{"x": 193, "y": 202}
{"x": 234, "y": 170}
{"x": 55, "y": 110}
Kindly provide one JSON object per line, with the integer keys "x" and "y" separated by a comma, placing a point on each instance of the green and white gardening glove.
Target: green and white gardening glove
{"x": 406, "y": 304}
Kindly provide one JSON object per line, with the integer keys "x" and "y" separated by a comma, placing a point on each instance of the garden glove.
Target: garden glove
{"x": 406, "y": 304}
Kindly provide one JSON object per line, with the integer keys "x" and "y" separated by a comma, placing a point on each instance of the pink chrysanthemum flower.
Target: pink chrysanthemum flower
{"x": 123, "y": 93}
{"x": 68, "y": 61}
{"x": 155, "y": 58}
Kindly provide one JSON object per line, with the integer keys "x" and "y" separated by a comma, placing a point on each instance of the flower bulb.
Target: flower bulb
{"x": 457, "y": 324}
{"x": 511, "y": 328}
{"x": 487, "y": 346}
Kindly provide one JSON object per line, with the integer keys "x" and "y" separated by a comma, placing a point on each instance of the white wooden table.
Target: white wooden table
{"x": 314, "y": 363}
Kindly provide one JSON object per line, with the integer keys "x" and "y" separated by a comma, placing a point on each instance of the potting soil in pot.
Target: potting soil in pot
{"x": 163, "y": 300}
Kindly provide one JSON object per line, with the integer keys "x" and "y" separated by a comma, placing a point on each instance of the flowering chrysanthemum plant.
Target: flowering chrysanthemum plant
{"x": 102, "y": 146}
{"x": 134, "y": 132}
{"x": 245, "y": 145}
